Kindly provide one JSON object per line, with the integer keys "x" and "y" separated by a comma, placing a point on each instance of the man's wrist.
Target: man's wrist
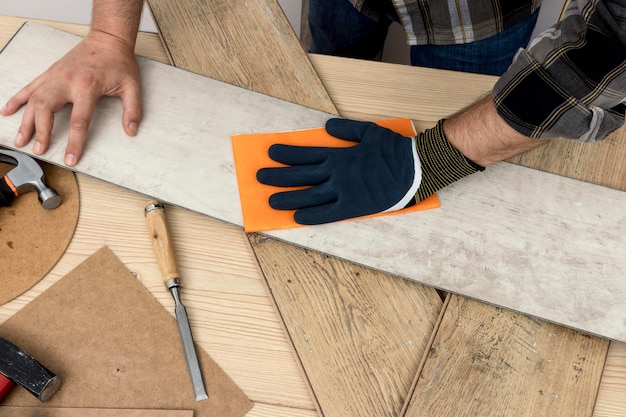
{"x": 479, "y": 133}
{"x": 118, "y": 19}
{"x": 110, "y": 40}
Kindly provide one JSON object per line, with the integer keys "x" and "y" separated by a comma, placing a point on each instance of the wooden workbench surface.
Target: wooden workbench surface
{"x": 236, "y": 318}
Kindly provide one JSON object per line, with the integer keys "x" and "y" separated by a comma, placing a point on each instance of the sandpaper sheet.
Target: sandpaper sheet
{"x": 251, "y": 154}
{"x": 89, "y": 412}
{"x": 33, "y": 239}
{"x": 114, "y": 346}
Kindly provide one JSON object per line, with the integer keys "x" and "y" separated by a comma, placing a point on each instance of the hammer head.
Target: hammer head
{"x": 21, "y": 368}
{"x": 28, "y": 176}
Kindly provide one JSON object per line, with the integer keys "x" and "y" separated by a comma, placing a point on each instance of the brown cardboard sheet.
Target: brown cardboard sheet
{"x": 89, "y": 412}
{"x": 33, "y": 239}
{"x": 114, "y": 346}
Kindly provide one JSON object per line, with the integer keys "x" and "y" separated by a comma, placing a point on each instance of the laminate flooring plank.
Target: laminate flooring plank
{"x": 232, "y": 316}
{"x": 616, "y": 395}
{"x": 186, "y": 33}
{"x": 611, "y": 400}
{"x": 334, "y": 312}
{"x": 188, "y": 120}
{"x": 388, "y": 91}
{"x": 497, "y": 363}
{"x": 247, "y": 43}
{"x": 536, "y": 266}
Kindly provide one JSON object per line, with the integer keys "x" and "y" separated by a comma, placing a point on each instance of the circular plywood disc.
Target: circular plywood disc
{"x": 33, "y": 239}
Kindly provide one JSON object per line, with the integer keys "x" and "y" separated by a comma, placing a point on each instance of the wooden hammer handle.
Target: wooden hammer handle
{"x": 161, "y": 240}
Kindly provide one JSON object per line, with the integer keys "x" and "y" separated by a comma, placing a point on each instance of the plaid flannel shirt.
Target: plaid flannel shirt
{"x": 449, "y": 22}
{"x": 569, "y": 82}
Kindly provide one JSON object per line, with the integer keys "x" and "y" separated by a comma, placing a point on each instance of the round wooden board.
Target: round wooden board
{"x": 33, "y": 239}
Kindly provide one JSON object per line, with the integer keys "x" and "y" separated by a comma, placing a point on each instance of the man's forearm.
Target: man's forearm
{"x": 480, "y": 134}
{"x": 119, "y": 18}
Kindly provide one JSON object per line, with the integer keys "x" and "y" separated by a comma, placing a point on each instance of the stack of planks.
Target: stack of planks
{"x": 362, "y": 336}
{"x": 367, "y": 340}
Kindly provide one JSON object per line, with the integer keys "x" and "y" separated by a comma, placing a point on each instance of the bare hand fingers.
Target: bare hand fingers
{"x": 22, "y": 97}
{"x": 131, "y": 101}
{"x": 27, "y": 127}
{"x": 82, "y": 113}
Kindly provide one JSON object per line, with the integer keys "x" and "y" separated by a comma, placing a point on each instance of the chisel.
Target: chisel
{"x": 166, "y": 258}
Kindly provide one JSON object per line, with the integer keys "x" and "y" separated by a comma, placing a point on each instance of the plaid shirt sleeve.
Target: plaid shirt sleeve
{"x": 571, "y": 80}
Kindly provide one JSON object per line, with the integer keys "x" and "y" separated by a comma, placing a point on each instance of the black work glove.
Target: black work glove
{"x": 382, "y": 172}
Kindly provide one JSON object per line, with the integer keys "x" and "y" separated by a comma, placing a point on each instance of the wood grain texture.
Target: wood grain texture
{"x": 90, "y": 412}
{"x": 242, "y": 43}
{"x": 94, "y": 230}
{"x": 531, "y": 369}
{"x": 558, "y": 245}
{"x": 426, "y": 95}
{"x": 369, "y": 90}
{"x": 611, "y": 400}
{"x": 197, "y": 46}
{"x": 598, "y": 163}
{"x": 231, "y": 315}
{"x": 349, "y": 324}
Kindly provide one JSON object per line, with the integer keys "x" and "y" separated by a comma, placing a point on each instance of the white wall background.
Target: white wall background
{"x": 79, "y": 11}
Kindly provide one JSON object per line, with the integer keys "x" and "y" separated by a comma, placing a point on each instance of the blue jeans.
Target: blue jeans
{"x": 339, "y": 29}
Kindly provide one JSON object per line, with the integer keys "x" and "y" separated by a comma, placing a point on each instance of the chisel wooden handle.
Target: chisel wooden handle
{"x": 161, "y": 241}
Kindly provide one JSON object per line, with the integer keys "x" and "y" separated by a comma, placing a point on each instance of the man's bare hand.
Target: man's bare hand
{"x": 101, "y": 65}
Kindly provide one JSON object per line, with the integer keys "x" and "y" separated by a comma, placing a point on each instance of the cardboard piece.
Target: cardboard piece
{"x": 89, "y": 412}
{"x": 114, "y": 346}
{"x": 33, "y": 239}
{"x": 251, "y": 154}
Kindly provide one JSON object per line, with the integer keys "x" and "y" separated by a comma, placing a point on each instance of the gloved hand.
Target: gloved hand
{"x": 381, "y": 172}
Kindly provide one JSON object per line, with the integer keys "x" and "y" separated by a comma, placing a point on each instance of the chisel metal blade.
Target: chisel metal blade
{"x": 190, "y": 351}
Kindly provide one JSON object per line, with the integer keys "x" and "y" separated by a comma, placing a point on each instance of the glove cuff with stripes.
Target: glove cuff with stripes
{"x": 442, "y": 163}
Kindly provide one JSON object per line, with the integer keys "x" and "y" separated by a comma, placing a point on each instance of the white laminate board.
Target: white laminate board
{"x": 182, "y": 153}
{"x": 522, "y": 239}
{"x": 514, "y": 237}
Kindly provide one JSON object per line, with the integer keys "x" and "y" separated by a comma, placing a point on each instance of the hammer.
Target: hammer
{"x": 26, "y": 176}
{"x": 17, "y": 366}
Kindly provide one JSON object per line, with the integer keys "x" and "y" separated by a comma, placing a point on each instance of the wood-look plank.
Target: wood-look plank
{"x": 369, "y": 90}
{"x": 611, "y": 394}
{"x": 187, "y": 120}
{"x": 188, "y": 38}
{"x": 386, "y": 90}
{"x": 334, "y": 312}
{"x": 602, "y": 162}
{"x": 226, "y": 297}
{"x": 497, "y": 363}
{"x": 242, "y": 43}
{"x": 611, "y": 400}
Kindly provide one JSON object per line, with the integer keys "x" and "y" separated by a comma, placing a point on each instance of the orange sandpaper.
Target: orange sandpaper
{"x": 251, "y": 154}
